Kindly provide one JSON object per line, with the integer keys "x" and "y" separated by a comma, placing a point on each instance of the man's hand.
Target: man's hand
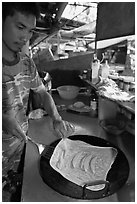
{"x": 63, "y": 128}
{"x": 12, "y": 127}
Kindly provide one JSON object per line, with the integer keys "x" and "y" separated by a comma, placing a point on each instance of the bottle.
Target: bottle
{"x": 95, "y": 64}
{"x": 84, "y": 75}
{"x": 93, "y": 104}
{"x": 105, "y": 67}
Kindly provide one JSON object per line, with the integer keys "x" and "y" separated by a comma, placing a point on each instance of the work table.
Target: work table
{"x": 35, "y": 190}
{"x": 130, "y": 106}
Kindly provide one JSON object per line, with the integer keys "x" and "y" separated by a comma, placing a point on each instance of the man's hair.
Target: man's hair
{"x": 28, "y": 8}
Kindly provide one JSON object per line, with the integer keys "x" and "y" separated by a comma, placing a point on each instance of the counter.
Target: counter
{"x": 109, "y": 108}
{"x": 35, "y": 190}
{"x": 130, "y": 106}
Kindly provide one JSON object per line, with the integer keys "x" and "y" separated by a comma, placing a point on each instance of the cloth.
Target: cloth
{"x": 18, "y": 77}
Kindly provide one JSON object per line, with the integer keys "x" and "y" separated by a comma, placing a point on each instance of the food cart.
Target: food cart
{"x": 35, "y": 188}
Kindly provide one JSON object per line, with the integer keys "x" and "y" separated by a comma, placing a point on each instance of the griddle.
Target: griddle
{"x": 116, "y": 177}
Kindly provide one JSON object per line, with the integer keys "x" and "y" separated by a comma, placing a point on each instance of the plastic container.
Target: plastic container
{"x": 127, "y": 82}
{"x": 126, "y": 85}
{"x": 121, "y": 82}
{"x": 132, "y": 86}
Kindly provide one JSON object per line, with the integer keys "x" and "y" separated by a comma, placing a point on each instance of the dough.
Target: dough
{"x": 81, "y": 163}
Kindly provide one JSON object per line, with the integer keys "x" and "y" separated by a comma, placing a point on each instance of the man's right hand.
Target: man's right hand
{"x": 12, "y": 127}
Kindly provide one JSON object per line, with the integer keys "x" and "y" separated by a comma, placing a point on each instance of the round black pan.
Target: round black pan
{"x": 116, "y": 177}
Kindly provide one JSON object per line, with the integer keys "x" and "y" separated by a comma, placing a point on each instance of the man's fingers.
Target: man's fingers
{"x": 72, "y": 127}
{"x": 63, "y": 128}
{"x": 69, "y": 126}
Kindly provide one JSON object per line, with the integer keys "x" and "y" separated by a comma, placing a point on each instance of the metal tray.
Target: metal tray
{"x": 116, "y": 177}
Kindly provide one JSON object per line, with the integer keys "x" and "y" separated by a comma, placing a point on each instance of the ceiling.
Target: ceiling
{"x": 64, "y": 17}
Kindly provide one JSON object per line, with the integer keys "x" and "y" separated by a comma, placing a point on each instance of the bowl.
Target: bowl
{"x": 113, "y": 126}
{"x": 68, "y": 91}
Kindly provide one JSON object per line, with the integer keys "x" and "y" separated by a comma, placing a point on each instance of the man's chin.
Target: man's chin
{"x": 18, "y": 47}
{"x": 19, "y": 50}
{"x": 16, "y": 50}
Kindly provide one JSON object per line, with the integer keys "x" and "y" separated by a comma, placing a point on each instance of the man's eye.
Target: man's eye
{"x": 20, "y": 28}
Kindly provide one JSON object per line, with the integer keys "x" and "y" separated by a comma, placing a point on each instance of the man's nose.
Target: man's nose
{"x": 23, "y": 40}
{"x": 25, "y": 36}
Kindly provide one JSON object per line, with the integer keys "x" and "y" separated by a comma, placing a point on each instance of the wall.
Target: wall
{"x": 79, "y": 62}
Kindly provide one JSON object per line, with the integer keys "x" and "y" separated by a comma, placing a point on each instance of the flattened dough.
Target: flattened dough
{"x": 82, "y": 163}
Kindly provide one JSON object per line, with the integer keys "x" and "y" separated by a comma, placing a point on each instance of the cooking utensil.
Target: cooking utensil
{"x": 48, "y": 149}
{"x": 116, "y": 177}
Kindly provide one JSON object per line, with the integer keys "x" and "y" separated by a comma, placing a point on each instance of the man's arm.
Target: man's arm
{"x": 48, "y": 104}
{"x": 61, "y": 128}
{"x": 10, "y": 126}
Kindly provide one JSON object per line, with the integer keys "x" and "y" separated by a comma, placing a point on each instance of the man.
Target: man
{"x": 19, "y": 76}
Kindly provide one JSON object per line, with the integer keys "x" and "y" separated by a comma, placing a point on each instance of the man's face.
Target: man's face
{"x": 17, "y": 30}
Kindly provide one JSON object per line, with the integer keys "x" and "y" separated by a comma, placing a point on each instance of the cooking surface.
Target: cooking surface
{"x": 35, "y": 190}
{"x": 116, "y": 177}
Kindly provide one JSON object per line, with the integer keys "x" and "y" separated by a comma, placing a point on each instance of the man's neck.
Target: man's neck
{"x": 7, "y": 54}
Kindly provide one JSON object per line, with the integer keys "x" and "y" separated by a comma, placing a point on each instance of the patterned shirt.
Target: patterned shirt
{"x": 18, "y": 78}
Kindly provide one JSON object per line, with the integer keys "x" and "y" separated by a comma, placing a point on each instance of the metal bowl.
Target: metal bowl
{"x": 113, "y": 126}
